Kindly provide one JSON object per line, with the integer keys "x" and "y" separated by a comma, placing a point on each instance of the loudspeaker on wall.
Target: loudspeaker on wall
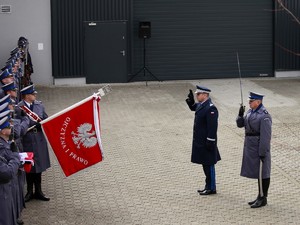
{"x": 145, "y": 29}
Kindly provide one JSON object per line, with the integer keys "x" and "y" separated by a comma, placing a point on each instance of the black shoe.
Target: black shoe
{"x": 28, "y": 196}
{"x": 260, "y": 202}
{"x": 41, "y": 196}
{"x": 208, "y": 192}
{"x": 20, "y": 221}
{"x": 252, "y": 202}
{"x": 200, "y": 190}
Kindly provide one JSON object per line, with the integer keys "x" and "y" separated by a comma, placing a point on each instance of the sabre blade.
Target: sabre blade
{"x": 240, "y": 76}
{"x": 260, "y": 178}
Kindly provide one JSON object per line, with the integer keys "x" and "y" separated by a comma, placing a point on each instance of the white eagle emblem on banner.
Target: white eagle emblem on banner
{"x": 85, "y": 136}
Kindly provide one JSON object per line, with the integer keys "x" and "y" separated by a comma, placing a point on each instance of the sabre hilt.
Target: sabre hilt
{"x": 242, "y": 110}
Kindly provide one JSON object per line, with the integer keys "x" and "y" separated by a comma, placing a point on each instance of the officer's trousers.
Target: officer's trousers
{"x": 210, "y": 180}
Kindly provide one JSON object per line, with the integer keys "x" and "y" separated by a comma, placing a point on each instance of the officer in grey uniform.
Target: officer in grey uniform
{"x": 34, "y": 141}
{"x": 205, "y": 150}
{"x": 20, "y": 126}
{"x": 257, "y": 123}
{"x": 9, "y": 165}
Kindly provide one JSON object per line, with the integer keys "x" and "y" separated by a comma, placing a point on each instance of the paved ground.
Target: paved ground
{"x": 146, "y": 176}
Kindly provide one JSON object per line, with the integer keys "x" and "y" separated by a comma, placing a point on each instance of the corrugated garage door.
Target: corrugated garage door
{"x": 194, "y": 39}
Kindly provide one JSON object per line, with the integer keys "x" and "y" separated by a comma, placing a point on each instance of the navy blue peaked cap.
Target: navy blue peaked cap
{"x": 14, "y": 51}
{"x": 10, "y": 86}
{"x": 4, "y": 107}
{"x": 5, "y": 74}
{"x": 5, "y": 114}
{"x": 7, "y": 66}
{"x": 201, "y": 89}
{"x": 255, "y": 96}
{"x": 4, "y": 123}
{"x": 5, "y": 99}
{"x": 28, "y": 90}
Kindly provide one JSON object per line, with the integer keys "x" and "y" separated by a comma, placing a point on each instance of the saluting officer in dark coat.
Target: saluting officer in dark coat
{"x": 257, "y": 123}
{"x": 9, "y": 165}
{"x": 204, "y": 149}
{"x": 34, "y": 141}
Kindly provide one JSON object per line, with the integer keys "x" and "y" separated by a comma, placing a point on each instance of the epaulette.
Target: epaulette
{"x": 266, "y": 112}
{"x": 211, "y": 104}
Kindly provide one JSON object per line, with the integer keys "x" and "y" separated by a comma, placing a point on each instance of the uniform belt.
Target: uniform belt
{"x": 35, "y": 130}
{"x": 4, "y": 181}
{"x": 252, "y": 134}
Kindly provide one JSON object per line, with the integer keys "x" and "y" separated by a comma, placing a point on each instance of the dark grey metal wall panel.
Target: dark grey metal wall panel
{"x": 287, "y": 36}
{"x": 67, "y": 30}
{"x": 199, "y": 39}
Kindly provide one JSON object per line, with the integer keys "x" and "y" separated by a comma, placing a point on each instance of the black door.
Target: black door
{"x": 105, "y": 52}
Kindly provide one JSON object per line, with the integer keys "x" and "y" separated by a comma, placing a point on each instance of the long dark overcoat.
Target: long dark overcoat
{"x": 34, "y": 141}
{"x": 20, "y": 128}
{"x": 257, "y": 142}
{"x": 9, "y": 164}
{"x": 205, "y": 128}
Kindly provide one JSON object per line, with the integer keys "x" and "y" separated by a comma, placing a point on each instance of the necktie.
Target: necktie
{"x": 31, "y": 107}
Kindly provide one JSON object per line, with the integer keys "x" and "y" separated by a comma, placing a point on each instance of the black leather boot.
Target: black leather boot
{"x": 29, "y": 181}
{"x": 28, "y": 196}
{"x": 20, "y": 221}
{"x": 252, "y": 202}
{"x": 40, "y": 195}
{"x": 260, "y": 202}
{"x": 38, "y": 188}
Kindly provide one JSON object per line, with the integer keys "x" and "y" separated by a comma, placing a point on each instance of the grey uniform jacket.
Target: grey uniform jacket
{"x": 9, "y": 164}
{"x": 20, "y": 128}
{"x": 34, "y": 141}
{"x": 258, "y": 131}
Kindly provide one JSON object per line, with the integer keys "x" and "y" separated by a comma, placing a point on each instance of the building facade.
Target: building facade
{"x": 98, "y": 41}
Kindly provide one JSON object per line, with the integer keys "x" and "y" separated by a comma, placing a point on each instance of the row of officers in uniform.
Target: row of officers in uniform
{"x": 20, "y": 131}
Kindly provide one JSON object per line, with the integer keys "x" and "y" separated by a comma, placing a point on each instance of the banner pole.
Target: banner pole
{"x": 101, "y": 92}
{"x": 67, "y": 109}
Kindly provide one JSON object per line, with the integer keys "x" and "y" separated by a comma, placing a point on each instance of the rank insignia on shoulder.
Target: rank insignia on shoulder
{"x": 266, "y": 112}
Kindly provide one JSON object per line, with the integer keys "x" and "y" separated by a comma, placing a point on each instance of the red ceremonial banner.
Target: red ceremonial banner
{"x": 74, "y": 135}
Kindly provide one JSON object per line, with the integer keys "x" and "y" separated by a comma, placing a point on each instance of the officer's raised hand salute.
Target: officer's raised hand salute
{"x": 190, "y": 100}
